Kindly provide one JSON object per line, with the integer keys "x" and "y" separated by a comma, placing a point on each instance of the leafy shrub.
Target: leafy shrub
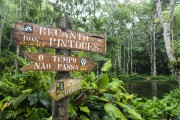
{"x": 106, "y": 99}
{"x": 23, "y": 95}
{"x": 165, "y": 78}
{"x": 158, "y": 78}
{"x": 167, "y": 108}
{"x": 130, "y": 77}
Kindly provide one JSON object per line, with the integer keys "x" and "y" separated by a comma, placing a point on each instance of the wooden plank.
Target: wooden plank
{"x": 29, "y": 34}
{"x": 64, "y": 87}
{"x": 47, "y": 62}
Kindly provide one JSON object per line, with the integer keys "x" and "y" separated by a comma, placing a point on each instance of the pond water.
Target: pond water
{"x": 149, "y": 88}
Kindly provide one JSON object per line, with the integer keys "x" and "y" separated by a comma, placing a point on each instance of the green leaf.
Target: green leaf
{"x": 47, "y": 118}
{"x": 44, "y": 99}
{"x": 33, "y": 98}
{"x": 103, "y": 81}
{"x": 95, "y": 115}
{"x": 92, "y": 75}
{"x": 5, "y": 99}
{"x": 114, "y": 111}
{"x": 131, "y": 111}
{"x": 115, "y": 85}
{"x": 12, "y": 114}
{"x": 38, "y": 113}
{"x": 103, "y": 99}
{"x": 108, "y": 117}
{"x": 18, "y": 75}
{"x": 84, "y": 118}
{"x": 115, "y": 79}
{"x": 20, "y": 98}
{"x": 92, "y": 97}
{"x": 72, "y": 112}
{"x": 110, "y": 97}
{"x": 85, "y": 109}
{"x": 33, "y": 115}
{"x": 107, "y": 66}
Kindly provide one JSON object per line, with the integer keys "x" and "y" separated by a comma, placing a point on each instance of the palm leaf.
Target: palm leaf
{"x": 20, "y": 98}
{"x": 131, "y": 111}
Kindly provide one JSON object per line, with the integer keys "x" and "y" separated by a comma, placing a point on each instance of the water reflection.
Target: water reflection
{"x": 148, "y": 88}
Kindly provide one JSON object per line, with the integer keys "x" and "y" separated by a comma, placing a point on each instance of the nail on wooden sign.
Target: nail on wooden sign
{"x": 29, "y": 34}
{"x": 64, "y": 87}
{"x": 46, "y": 62}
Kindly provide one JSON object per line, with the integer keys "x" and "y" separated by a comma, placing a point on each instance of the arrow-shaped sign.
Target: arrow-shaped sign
{"x": 46, "y": 62}
{"x": 63, "y": 88}
{"x": 29, "y": 34}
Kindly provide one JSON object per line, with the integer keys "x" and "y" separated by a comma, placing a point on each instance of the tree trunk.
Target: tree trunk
{"x": 154, "y": 72}
{"x": 151, "y": 52}
{"x": 124, "y": 58}
{"x": 166, "y": 32}
{"x": 115, "y": 67}
{"x": 171, "y": 12}
{"x": 149, "y": 37}
{"x": 18, "y": 47}
{"x": 131, "y": 58}
{"x": 119, "y": 58}
{"x": 128, "y": 55}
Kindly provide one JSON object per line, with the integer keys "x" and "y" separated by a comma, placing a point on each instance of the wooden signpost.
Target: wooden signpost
{"x": 45, "y": 62}
{"x": 29, "y": 34}
{"x": 64, "y": 87}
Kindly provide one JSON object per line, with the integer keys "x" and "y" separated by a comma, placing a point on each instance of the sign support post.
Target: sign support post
{"x": 60, "y": 107}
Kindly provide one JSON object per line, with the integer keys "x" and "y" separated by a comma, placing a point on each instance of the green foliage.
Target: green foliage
{"x": 27, "y": 92}
{"x": 166, "y": 78}
{"x": 104, "y": 98}
{"x": 106, "y": 67}
{"x": 85, "y": 109}
{"x": 112, "y": 102}
{"x": 103, "y": 81}
{"x": 177, "y": 14}
{"x": 131, "y": 111}
{"x": 131, "y": 77}
{"x": 175, "y": 45}
{"x": 20, "y": 98}
{"x": 114, "y": 112}
{"x": 166, "y": 15}
{"x": 5, "y": 103}
{"x": 167, "y": 108}
{"x": 37, "y": 114}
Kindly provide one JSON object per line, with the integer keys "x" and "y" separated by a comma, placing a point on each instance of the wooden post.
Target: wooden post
{"x": 60, "y": 107}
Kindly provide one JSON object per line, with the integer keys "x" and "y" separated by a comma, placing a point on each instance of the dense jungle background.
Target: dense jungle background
{"x": 136, "y": 49}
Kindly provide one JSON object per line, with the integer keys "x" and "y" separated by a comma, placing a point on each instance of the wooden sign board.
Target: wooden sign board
{"x": 64, "y": 87}
{"x": 46, "y": 62}
{"x": 29, "y": 34}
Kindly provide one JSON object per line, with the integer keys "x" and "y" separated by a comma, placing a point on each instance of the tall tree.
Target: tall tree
{"x": 154, "y": 72}
{"x": 18, "y": 47}
{"x": 166, "y": 32}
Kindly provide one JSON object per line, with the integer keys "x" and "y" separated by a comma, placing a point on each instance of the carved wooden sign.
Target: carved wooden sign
{"x": 29, "y": 34}
{"x": 64, "y": 87}
{"x": 46, "y": 62}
